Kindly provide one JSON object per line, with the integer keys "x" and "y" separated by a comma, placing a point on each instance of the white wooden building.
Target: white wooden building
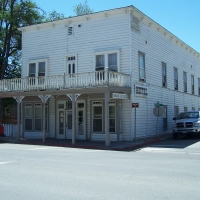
{"x": 80, "y": 76}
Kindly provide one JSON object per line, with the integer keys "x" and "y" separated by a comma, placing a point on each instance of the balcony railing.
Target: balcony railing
{"x": 64, "y": 81}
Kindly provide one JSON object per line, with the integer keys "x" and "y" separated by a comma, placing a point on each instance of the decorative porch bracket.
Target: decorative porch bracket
{"x": 76, "y": 96}
{"x": 18, "y": 100}
{"x": 44, "y": 99}
{"x": 73, "y": 98}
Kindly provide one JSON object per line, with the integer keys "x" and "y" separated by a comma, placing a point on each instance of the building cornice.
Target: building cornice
{"x": 137, "y": 13}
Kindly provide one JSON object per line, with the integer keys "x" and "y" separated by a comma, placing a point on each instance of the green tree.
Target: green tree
{"x": 52, "y": 16}
{"x": 82, "y": 8}
{"x": 14, "y": 14}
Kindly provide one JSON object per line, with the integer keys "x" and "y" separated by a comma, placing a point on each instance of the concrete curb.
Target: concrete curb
{"x": 88, "y": 146}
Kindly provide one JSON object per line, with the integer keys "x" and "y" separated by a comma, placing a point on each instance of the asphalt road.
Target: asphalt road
{"x": 165, "y": 170}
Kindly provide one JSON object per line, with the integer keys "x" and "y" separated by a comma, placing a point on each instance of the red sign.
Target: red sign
{"x": 135, "y": 105}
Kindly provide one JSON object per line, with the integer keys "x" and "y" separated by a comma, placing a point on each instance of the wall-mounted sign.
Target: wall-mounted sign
{"x": 135, "y": 105}
{"x": 141, "y": 91}
{"x": 119, "y": 96}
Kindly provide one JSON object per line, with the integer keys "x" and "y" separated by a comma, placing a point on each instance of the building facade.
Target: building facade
{"x": 81, "y": 75}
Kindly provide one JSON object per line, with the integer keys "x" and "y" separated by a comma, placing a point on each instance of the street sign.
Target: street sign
{"x": 135, "y": 105}
{"x": 158, "y": 111}
{"x": 158, "y": 104}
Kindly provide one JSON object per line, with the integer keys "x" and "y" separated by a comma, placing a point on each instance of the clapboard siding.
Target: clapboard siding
{"x": 54, "y": 43}
{"x": 157, "y": 49}
{"x": 115, "y": 32}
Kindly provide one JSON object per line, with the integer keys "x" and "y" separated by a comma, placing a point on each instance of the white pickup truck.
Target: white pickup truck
{"x": 187, "y": 123}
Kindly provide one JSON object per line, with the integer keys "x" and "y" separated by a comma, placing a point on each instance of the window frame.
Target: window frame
{"x": 33, "y": 106}
{"x": 66, "y": 70}
{"x": 199, "y": 86}
{"x": 175, "y": 78}
{"x": 102, "y": 104}
{"x": 192, "y": 84}
{"x": 164, "y": 76}
{"x": 105, "y": 54}
{"x": 144, "y": 67}
{"x": 36, "y": 62}
{"x": 185, "y": 81}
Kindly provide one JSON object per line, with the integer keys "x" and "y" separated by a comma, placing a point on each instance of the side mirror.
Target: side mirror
{"x": 174, "y": 118}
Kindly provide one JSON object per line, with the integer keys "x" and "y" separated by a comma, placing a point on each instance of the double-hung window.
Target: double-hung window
{"x": 164, "y": 75}
{"x": 37, "y": 68}
{"x": 100, "y": 62}
{"x": 33, "y": 117}
{"x": 198, "y": 86}
{"x": 71, "y": 65}
{"x": 192, "y": 84}
{"x": 185, "y": 81}
{"x": 175, "y": 78}
{"x": 107, "y": 60}
{"x": 141, "y": 66}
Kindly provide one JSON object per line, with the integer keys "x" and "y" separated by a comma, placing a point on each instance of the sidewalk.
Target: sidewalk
{"x": 85, "y": 144}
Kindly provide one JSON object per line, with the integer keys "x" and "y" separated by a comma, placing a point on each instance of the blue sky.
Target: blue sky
{"x": 180, "y": 17}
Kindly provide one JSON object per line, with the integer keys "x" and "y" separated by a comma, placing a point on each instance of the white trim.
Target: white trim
{"x": 105, "y": 53}
{"x": 36, "y": 61}
{"x": 66, "y": 60}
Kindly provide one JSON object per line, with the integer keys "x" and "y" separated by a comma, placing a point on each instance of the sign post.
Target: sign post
{"x": 158, "y": 112}
{"x": 135, "y": 105}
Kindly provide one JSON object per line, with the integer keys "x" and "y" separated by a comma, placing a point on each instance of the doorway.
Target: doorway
{"x": 64, "y": 120}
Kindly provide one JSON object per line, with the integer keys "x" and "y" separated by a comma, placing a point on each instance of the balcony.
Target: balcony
{"x": 66, "y": 81}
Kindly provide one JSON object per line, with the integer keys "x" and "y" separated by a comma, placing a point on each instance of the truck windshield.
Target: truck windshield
{"x": 186, "y": 115}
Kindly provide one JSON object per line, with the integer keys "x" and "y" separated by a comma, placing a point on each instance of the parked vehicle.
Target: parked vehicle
{"x": 187, "y": 123}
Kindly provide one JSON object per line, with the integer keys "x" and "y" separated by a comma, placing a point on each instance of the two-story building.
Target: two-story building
{"x": 80, "y": 76}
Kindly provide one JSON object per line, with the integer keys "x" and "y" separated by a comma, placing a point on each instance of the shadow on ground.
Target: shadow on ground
{"x": 181, "y": 143}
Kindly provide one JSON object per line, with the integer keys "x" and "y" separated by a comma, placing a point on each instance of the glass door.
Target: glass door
{"x": 81, "y": 120}
{"x": 68, "y": 124}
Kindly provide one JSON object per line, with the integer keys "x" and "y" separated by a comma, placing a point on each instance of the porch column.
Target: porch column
{"x": 18, "y": 99}
{"x": 107, "y": 133}
{"x": 44, "y": 99}
{"x": 118, "y": 105}
{"x": 73, "y": 98}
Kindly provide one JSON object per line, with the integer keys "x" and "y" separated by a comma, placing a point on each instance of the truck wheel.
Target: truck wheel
{"x": 175, "y": 136}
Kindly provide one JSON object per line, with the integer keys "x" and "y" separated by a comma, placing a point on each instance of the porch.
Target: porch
{"x": 73, "y": 86}
{"x": 66, "y": 81}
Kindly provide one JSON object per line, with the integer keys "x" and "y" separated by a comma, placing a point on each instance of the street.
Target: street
{"x": 165, "y": 170}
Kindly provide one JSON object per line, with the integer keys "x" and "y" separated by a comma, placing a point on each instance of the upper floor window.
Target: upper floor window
{"x": 164, "y": 75}
{"x": 175, "y": 78}
{"x": 185, "y": 109}
{"x": 37, "y": 68}
{"x": 192, "y": 84}
{"x": 198, "y": 86}
{"x": 141, "y": 66}
{"x": 108, "y": 59}
{"x": 71, "y": 65}
{"x": 185, "y": 81}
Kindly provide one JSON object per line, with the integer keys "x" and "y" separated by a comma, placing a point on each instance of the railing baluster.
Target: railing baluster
{"x": 66, "y": 80}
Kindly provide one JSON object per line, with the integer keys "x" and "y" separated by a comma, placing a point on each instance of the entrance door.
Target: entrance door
{"x": 68, "y": 124}
{"x": 64, "y": 120}
{"x": 81, "y": 121}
